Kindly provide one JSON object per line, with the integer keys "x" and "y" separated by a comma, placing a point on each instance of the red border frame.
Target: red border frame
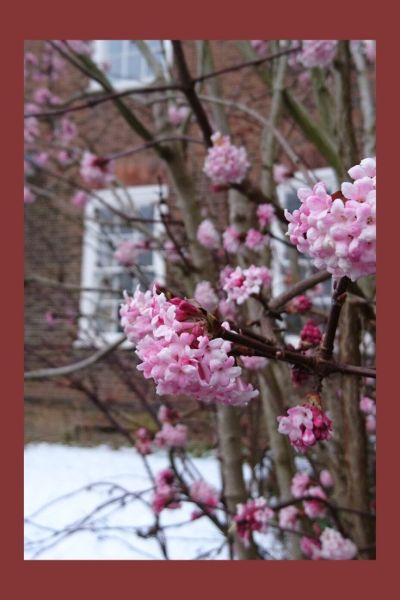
{"x": 67, "y": 579}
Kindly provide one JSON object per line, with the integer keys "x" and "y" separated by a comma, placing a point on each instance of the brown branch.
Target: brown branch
{"x": 338, "y": 298}
{"x": 297, "y": 289}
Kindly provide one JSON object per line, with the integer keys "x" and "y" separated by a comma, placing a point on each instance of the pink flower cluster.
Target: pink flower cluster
{"x": 255, "y": 240}
{"x": 300, "y": 483}
{"x": 281, "y": 173}
{"x": 368, "y": 407}
{"x": 305, "y": 425}
{"x": 300, "y": 304}
{"x": 339, "y": 232}
{"x": 127, "y": 252}
{"x": 288, "y": 517}
{"x": 28, "y": 196}
{"x": 231, "y": 239}
{"x": 172, "y": 436}
{"x": 95, "y": 169}
{"x": 240, "y": 284}
{"x": 166, "y": 491}
{"x": 143, "y": 441}
{"x": 265, "y": 213}
{"x": 260, "y": 47}
{"x": 254, "y": 515}
{"x": 313, "y": 508}
{"x": 205, "y": 295}
{"x": 317, "y": 53}
{"x": 225, "y": 163}
{"x": 311, "y": 333}
{"x": 176, "y": 351}
{"x": 203, "y": 493}
{"x": 335, "y": 547}
{"x": 79, "y": 199}
{"x": 177, "y": 114}
{"x": 208, "y": 236}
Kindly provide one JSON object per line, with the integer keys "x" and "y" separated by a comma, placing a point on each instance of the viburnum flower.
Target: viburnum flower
{"x": 254, "y": 515}
{"x": 367, "y": 406}
{"x": 79, "y": 199}
{"x": 281, "y": 173}
{"x": 177, "y": 114}
{"x": 335, "y": 547}
{"x": 240, "y": 284}
{"x": 143, "y": 441}
{"x": 300, "y": 483}
{"x": 208, "y": 236}
{"x": 126, "y": 253}
{"x": 172, "y": 436}
{"x": 225, "y": 163}
{"x": 43, "y": 95}
{"x": 265, "y": 213}
{"x": 260, "y": 47}
{"x": 205, "y": 295}
{"x": 255, "y": 240}
{"x": 311, "y": 333}
{"x": 288, "y": 517}
{"x": 176, "y": 351}
{"x": 317, "y": 53}
{"x": 28, "y": 196}
{"x": 313, "y": 508}
{"x": 203, "y": 493}
{"x": 339, "y": 231}
{"x": 95, "y": 169}
{"x": 166, "y": 491}
{"x": 326, "y": 478}
{"x": 299, "y": 304}
{"x": 231, "y": 239}
{"x": 254, "y": 362}
{"x": 310, "y": 548}
{"x": 305, "y": 425}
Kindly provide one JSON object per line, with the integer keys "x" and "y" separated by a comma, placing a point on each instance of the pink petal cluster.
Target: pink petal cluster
{"x": 79, "y": 199}
{"x": 300, "y": 483}
{"x": 311, "y": 333}
{"x": 231, "y": 239}
{"x": 254, "y": 363}
{"x": 28, "y": 196}
{"x": 339, "y": 233}
{"x": 326, "y": 478}
{"x": 368, "y": 407}
{"x": 225, "y": 163}
{"x": 172, "y": 436}
{"x": 208, "y": 235}
{"x": 176, "y": 351}
{"x": 313, "y": 508}
{"x": 310, "y": 548}
{"x": 143, "y": 441}
{"x": 317, "y": 53}
{"x": 166, "y": 491}
{"x": 335, "y": 547}
{"x": 205, "y": 295}
{"x": 260, "y": 47}
{"x": 240, "y": 284}
{"x": 95, "y": 169}
{"x": 166, "y": 414}
{"x": 177, "y": 114}
{"x": 254, "y": 515}
{"x": 265, "y": 213}
{"x": 305, "y": 425}
{"x": 203, "y": 493}
{"x": 288, "y": 517}
{"x": 255, "y": 240}
{"x": 126, "y": 253}
{"x": 281, "y": 173}
{"x": 300, "y": 304}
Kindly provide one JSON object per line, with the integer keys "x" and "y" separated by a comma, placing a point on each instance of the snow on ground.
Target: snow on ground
{"x": 52, "y": 471}
{"x": 56, "y": 497}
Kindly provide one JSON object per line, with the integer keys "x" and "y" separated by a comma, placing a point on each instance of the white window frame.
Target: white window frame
{"x": 101, "y": 55}
{"x": 141, "y": 196}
